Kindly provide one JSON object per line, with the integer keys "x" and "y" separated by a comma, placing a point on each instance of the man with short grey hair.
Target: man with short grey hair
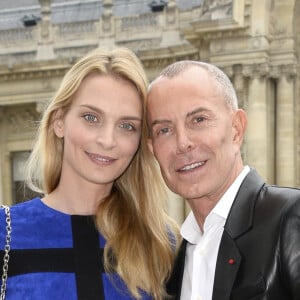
{"x": 242, "y": 238}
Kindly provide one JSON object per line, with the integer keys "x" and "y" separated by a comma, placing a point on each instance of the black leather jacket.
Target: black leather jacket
{"x": 262, "y": 236}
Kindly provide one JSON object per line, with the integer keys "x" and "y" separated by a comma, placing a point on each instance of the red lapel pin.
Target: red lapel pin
{"x": 231, "y": 261}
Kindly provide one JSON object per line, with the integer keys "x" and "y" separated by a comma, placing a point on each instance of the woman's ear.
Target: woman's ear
{"x": 58, "y": 123}
{"x": 239, "y": 125}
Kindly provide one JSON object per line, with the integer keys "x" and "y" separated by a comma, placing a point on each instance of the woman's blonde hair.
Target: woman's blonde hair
{"x": 141, "y": 238}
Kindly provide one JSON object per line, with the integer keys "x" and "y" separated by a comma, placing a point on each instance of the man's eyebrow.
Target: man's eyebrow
{"x": 196, "y": 110}
{"x": 159, "y": 121}
{"x": 189, "y": 114}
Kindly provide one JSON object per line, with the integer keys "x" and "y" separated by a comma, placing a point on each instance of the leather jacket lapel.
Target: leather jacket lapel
{"x": 175, "y": 281}
{"x": 240, "y": 217}
{"x": 239, "y": 221}
{"x": 228, "y": 263}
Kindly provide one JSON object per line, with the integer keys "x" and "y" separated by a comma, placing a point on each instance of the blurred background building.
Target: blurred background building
{"x": 257, "y": 44}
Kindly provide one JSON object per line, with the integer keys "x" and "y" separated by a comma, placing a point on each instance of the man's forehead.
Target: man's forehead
{"x": 158, "y": 81}
{"x": 192, "y": 72}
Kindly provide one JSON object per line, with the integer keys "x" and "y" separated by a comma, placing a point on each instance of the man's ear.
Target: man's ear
{"x": 150, "y": 145}
{"x": 239, "y": 124}
{"x": 58, "y": 123}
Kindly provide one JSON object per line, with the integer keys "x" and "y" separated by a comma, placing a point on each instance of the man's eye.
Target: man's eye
{"x": 128, "y": 126}
{"x": 199, "y": 119}
{"x": 90, "y": 118}
{"x": 163, "y": 131}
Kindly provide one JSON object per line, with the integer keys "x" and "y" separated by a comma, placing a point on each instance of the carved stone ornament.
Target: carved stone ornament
{"x": 216, "y": 9}
{"x": 21, "y": 119}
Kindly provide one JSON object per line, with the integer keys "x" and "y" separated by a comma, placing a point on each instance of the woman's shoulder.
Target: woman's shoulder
{"x": 31, "y": 222}
{"x": 22, "y": 206}
{"x": 11, "y": 213}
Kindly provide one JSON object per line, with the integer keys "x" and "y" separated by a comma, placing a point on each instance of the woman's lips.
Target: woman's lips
{"x": 100, "y": 159}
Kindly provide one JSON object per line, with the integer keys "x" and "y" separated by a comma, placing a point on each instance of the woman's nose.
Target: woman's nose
{"x": 107, "y": 137}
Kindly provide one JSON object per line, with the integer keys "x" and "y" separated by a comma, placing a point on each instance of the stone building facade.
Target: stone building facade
{"x": 257, "y": 43}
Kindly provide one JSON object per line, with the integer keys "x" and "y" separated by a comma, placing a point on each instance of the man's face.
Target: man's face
{"x": 194, "y": 135}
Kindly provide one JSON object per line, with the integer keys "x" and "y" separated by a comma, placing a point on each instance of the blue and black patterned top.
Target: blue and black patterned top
{"x": 55, "y": 256}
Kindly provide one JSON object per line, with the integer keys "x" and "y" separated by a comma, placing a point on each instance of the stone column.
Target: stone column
{"x": 240, "y": 87}
{"x": 107, "y": 15}
{"x": 285, "y": 129}
{"x": 7, "y": 175}
{"x": 175, "y": 204}
{"x": 107, "y": 25}
{"x": 172, "y": 12}
{"x": 176, "y": 207}
{"x": 187, "y": 208}
{"x": 40, "y": 105}
{"x": 257, "y": 132}
{"x": 2, "y": 142}
{"x": 45, "y": 46}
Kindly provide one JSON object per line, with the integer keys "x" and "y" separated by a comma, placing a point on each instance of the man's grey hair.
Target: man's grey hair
{"x": 222, "y": 81}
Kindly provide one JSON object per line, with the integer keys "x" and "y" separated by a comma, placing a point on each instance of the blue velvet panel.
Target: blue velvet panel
{"x": 36, "y": 226}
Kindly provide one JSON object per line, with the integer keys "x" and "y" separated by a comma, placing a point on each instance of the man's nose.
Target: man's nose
{"x": 184, "y": 140}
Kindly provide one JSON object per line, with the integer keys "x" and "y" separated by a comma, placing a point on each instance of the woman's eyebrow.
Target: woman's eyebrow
{"x": 100, "y": 111}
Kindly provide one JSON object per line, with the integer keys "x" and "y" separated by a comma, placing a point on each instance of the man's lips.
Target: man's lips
{"x": 191, "y": 166}
{"x": 100, "y": 158}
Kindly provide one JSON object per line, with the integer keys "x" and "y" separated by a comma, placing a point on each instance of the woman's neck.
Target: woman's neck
{"x": 76, "y": 200}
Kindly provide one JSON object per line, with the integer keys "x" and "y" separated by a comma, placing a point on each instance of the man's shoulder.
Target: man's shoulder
{"x": 279, "y": 200}
{"x": 276, "y": 193}
{"x": 281, "y": 192}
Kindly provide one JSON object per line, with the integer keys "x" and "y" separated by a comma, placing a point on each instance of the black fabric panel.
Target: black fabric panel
{"x": 84, "y": 259}
{"x": 87, "y": 260}
{"x": 42, "y": 260}
{"x": 39, "y": 260}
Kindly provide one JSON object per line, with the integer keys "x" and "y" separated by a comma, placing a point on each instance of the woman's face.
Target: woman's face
{"x": 101, "y": 130}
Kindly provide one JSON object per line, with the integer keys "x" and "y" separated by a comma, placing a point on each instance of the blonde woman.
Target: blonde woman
{"x": 100, "y": 230}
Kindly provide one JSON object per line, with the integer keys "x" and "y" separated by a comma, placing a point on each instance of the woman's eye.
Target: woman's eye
{"x": 128, "y": 126}
{"x": 90, "y": 118}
